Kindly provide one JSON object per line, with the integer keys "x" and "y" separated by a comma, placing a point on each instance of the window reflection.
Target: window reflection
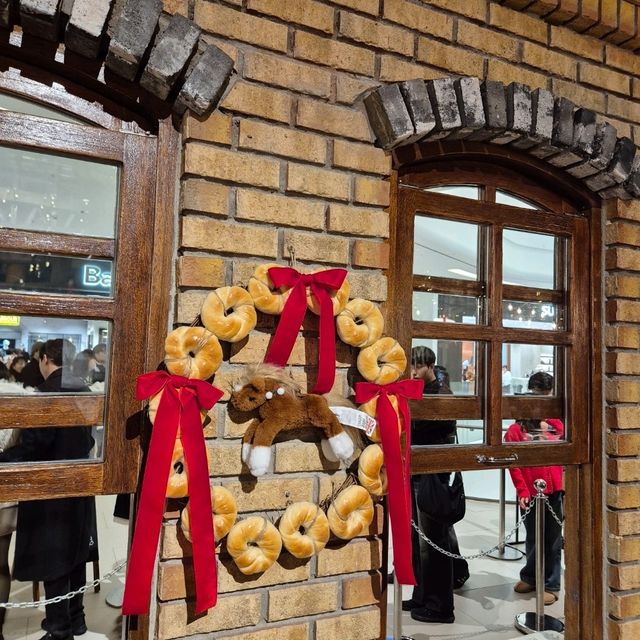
{"x": 528, "y": 259}
{"x": 502, "y": 197}
{"x": 55, "y": 274}
{"x": 521, "y": 361}
{"x": 445, "y": 248}
{"x": 455, "y": 367}
{"x": 444, "y": 307}
{"x": 17, "y": 104}
{"x": 532, "y": 315}
{"x": 471, "y": 192}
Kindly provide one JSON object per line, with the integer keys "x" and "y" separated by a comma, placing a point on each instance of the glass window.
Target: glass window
{"x": 528, "y": 259}
{"x": 445, "y": 248}
{"x": 57, "y": 194}
{"x": 456, "y": 367}
{"x": 55, "y": 274}
{"x": 521, "y": 361}
{"x": 17, "y": 104}
{"x": 502, "y": 197}
{"x": 471, "y": 192}
{"x": 444, "y": 307}
{"x": 547, "y": 316}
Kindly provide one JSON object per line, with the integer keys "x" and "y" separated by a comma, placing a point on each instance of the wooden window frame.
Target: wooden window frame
{"x": 458, "y": 162}
{"x": 139, "y": 307}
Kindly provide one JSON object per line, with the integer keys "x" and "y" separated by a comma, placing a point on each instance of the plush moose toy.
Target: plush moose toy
{"x": 282, "y": 406}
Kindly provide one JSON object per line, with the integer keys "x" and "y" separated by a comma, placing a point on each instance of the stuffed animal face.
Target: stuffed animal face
{"x": 250, "y": 396}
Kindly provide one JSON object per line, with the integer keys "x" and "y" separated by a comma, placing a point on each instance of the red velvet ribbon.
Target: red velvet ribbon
{"x": 180, "y": 406}
{"x": 293, "y": 315}
{"x": 398, "y": 470}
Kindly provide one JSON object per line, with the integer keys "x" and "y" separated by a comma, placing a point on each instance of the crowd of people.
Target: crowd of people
{"x": 437, "y": 503}
{"x": 59, "y": 558}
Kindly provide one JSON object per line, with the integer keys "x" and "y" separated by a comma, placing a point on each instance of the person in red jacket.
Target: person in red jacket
{"x": 528, "y": 431}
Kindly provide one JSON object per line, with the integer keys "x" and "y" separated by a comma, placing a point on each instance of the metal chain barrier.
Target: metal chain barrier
{"x": 67, "y": 596}
{"x": 553, "y": 513}
{"x": 485, "y": 553}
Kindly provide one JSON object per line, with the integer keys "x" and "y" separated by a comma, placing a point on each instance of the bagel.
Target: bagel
{"x": 192, "y": 352}
{"x": 351, "y": 512}
{"x": 234, "y": 326}
{"x": 383, "y": 362}
{"x": 339, "y": 298}
{"x": 304, "y": 529}
{"x": 371, "y": 472}
{"x": 178, "y": 482}
{"x": 254, "y": 544}
{"x": 360, "y": 323}
{"x": 371, "y": 408}
{"x": 225, "y": 512}
{"x": 265, "y": 296}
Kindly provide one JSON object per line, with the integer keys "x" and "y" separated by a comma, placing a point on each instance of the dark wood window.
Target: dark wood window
{"x": 79, "y": 206}
{"x": 492, "y": 271}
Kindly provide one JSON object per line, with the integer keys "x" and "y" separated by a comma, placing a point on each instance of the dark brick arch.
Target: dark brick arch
{"x": 533, "y": 121}
{"x": 164, "y": 55}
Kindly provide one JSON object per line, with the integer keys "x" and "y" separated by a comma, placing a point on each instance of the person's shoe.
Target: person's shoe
{"x": 78, "y": 627}
{"x": 50, "y": 636}
{"x": 423, "y": 614}
{"x": 390, "y": 578}
{"x": 550, "y": 597}
{"x": 408, "y": 605}
{"x": 523, "y": 587}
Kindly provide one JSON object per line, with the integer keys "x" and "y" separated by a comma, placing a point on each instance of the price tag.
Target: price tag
{"x": 355, "y": 418}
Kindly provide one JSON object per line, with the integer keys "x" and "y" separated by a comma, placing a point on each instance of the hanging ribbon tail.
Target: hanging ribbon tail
{"x": 290, "y": 320}
{"x": 326, "y": 342}
{"x": 180, "y": 404}
{"x": 137, "y": 592}
{"x": 203, "y": 542}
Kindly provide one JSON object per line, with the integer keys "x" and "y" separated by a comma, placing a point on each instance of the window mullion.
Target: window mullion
{"x": 493, "y": 374}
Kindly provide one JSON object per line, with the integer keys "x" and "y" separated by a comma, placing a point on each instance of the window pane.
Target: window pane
{"x": 427, "y": 432}
{"x": 54, "y": 193}
{"x": 461, "y": 191}
{"x": 445, "y": 248}
{"x": 521, "y": 362}
{"x": 54, "y": 274}
{"x": 532, "y": 315}
{"x": 443, "y": 307}
{"x": 528, "y": 259}
{"x": 502, "y": 197}
{"x": 456, "y": 371}
{"x": 540, "y": 429}
{"x": 21, "y": 105}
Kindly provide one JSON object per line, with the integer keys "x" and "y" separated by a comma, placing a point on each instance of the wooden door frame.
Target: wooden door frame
{"x": 585, "y": 543}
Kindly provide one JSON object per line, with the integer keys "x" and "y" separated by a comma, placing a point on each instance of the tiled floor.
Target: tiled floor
{"x": 485, "y": 608}
{"x": 104, "y": 622}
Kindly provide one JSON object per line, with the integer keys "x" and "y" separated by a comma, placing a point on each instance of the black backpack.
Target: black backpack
{"x": 440, "y": 501}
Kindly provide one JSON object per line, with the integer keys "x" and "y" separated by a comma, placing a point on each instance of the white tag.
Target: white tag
{"x": 354, "y": 418}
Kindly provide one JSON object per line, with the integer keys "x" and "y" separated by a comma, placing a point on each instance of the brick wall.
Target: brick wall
{"x": 287, "y": 164}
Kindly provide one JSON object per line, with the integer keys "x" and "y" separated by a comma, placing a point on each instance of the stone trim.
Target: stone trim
{"x": 551, "y": 129}
{"x": 165, "y": 56}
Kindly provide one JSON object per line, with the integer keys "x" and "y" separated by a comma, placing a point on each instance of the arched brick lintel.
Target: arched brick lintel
{"x": 533, "y": 121}
{"x": 165, "y": 56}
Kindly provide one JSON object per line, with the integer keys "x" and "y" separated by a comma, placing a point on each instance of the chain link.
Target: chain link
{"x": 553, "y": 513}
{"x": 480, "y": 554}
{"x": 67, "y": 596}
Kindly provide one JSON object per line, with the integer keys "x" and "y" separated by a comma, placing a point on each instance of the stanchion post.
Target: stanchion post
{"x": 531, "y": 622}
{"x": 397, "y": 608}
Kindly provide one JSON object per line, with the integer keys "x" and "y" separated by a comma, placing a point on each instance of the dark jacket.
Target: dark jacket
{"x": 424, "y": 432}
{"x": 31, "y": 376}
{"x": 53, "y": 536}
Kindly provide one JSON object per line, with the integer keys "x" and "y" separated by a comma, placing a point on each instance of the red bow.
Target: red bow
{"x": 180, "y": 406}
{"x": 398, "y": 472}
{"x": 293, "y": 315}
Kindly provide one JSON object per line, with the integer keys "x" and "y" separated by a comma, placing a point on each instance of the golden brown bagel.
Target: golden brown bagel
{"x": 192, "y": 352}
{"x": 371, "y": 408}
{"x": 360, "y": 323}
{"x": 304, "y": 529}
{"x": 351, "y": 512}
{"x": 230, "y": 326}
{"x": 265, "y": 296}
{"x": 371, "y": 472}
{"x": 382, "y": 362}
{"x": 178, "y": 483}
{"x": 225, "y": 512}
{"x": 339, "y": 298}
{"x": 254, "y": 544}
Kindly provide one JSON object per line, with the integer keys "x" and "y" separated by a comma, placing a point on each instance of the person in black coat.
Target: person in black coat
{"x": 436, "y": 574}
{"x": 55, "y": 537}
{"x": 31, "y": 376}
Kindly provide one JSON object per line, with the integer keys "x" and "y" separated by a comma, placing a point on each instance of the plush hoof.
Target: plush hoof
{"x": 246, "y": 452}
{"x": 342, "y": 446}
{"x": 327, "y": 451}
{"x": 259, "y": 460}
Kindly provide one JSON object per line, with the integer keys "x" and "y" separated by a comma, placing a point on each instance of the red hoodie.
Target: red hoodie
{"x": 524, "y": 478}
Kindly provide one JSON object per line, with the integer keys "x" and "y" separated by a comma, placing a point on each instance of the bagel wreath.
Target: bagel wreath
{"x": 229, "y": 314}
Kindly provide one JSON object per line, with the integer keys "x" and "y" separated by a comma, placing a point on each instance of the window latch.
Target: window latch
{"x": 482, "y": 459}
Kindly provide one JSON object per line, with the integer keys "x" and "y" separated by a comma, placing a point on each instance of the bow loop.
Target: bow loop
{"x": 150, "y": 384}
